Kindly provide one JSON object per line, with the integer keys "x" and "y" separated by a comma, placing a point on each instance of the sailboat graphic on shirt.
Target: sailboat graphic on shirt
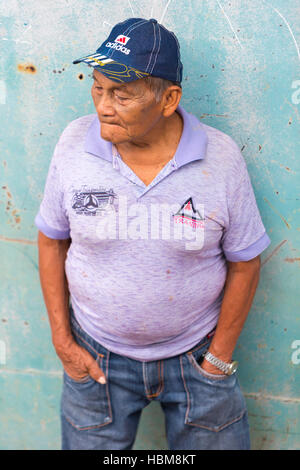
{"x": 187, "y": 214}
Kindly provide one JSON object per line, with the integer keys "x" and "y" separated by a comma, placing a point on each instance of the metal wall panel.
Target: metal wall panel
{"x": 241, "y": 75}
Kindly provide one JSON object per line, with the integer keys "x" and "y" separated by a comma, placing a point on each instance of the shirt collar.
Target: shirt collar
{"x": 192, "y": 145}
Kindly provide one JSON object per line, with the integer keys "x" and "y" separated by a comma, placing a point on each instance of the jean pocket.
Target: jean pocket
{"x": 196, "y": 363}
{"x": 86, "y": 403}
{"x": 84, "y": 379}
{"x": 213, "y": 401}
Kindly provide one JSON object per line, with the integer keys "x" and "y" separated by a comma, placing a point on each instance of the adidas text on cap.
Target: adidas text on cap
{"x": 137, "y": 48}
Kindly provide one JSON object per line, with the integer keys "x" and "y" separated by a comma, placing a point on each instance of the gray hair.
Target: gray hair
{"x": 158, "y": 85}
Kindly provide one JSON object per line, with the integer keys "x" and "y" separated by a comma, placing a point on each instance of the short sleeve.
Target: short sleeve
{"x": 52, "y": 219}
{"x": 245, "y": 236}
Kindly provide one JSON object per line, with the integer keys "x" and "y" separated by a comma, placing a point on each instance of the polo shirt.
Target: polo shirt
{"x": 147, "y": 264}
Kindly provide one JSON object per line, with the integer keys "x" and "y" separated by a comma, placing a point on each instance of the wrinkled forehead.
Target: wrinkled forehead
{"x": 131, "y": 87}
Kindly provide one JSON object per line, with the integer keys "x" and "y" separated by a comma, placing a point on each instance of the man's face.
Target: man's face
{"x": 127, "y": 112}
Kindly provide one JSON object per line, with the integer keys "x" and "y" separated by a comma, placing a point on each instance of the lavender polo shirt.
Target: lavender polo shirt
{"x": 147, "y": 264}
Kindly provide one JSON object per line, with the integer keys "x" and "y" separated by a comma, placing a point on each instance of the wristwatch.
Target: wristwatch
{"x": 228, "y": 369}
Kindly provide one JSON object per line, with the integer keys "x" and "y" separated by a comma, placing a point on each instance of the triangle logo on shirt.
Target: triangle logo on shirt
{"x": 187, "y": 210}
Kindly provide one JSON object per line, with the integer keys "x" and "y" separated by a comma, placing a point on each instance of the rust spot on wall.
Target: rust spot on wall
{"x": 13, "y": 213}
{"x": 80, "y": 76}
{"x": 291, "y": 260}
{"x": 27, "y": 68}
{"x": 259, "y": 147}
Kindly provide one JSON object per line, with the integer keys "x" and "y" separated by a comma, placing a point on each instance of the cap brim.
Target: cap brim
{"x": 112, "y": 69}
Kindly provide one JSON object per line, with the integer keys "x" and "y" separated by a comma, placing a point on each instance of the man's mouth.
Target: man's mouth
{"x": 110, "y": 123}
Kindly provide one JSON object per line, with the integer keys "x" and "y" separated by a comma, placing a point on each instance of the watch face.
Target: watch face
{"x": 233, "y": 367}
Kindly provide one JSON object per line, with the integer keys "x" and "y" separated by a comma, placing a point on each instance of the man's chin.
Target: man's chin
{"x": 113, "y": 137}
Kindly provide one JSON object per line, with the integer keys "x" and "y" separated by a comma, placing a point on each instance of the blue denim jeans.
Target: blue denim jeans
{"x": 202, "y": 411}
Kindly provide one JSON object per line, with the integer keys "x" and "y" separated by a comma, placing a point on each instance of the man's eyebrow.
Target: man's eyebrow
{"x": 94, "y": 76}
{"x": 121, "y": 86}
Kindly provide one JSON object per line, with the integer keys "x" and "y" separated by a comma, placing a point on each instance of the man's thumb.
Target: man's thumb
{"x": 96, "y": 373}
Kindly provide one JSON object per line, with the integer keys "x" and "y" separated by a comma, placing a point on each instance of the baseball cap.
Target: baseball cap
{"x": 137, "y": 48}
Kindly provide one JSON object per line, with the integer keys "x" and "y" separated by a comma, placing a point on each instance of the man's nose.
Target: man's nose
{"x": 105, "y": 105}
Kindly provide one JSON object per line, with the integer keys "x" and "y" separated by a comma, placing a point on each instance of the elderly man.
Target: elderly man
{"x": 149, "y": 244}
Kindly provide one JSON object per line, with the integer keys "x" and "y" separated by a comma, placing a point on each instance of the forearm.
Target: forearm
{"x": 241, "y": 283}
{"x": 76, "y": 361}
{"x": 52, "y": 255}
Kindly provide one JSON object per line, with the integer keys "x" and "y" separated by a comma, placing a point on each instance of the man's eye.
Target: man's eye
{"x": 99, "y": 88}
{"x": 121, "y": 98}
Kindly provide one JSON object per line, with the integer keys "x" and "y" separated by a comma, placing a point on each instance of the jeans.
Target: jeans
{"x": 202, "y": 411}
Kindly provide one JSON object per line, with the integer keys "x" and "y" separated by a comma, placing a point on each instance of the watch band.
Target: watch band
{"x": 227, "y": 368}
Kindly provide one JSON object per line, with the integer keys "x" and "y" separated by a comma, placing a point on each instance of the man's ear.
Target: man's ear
{"x": 171, "y": 99}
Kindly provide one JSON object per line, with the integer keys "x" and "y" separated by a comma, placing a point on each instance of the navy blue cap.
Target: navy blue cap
{"x": 137, "y": 48}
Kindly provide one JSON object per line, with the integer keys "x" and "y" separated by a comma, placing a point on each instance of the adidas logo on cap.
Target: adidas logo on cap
{"x": 122, "y": 39}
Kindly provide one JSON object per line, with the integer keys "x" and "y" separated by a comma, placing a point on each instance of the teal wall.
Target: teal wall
{"x": 241, "y": 75}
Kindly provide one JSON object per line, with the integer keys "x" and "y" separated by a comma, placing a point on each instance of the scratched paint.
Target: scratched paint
{"x": 241, "y": 75}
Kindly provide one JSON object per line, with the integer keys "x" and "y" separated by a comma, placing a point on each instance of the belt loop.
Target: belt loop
{"x": 211, "y": 333}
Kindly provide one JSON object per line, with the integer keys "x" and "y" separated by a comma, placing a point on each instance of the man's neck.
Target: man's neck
{"x": 156, "y": 149}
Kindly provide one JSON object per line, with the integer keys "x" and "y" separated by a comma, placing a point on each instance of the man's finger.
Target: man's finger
{"x": 94, "y": 370}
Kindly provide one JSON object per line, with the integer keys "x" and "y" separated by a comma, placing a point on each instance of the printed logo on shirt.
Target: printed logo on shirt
{"x": 187, "y": 214}
{"x": 90, "y": 201}
{"x": 193, "y": 222}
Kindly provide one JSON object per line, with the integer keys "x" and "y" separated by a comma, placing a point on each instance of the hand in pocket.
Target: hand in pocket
{"x": 78, "y": 363}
